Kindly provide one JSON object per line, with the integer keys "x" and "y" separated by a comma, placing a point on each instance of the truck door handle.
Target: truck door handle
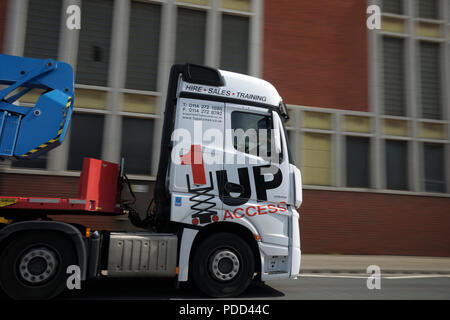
{"x": 234, "y": 187}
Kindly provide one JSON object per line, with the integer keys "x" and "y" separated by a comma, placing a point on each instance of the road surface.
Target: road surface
{"x": 308, "y": 286}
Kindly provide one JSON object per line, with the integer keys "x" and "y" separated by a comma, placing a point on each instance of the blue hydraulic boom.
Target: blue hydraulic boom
{"x": 27, "y": 131}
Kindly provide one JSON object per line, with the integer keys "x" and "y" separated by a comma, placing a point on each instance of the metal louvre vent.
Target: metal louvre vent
{"x": 434, "y": 167}
{"x": 392, "y": 6}
{"x": 135, "y": 150}
{"x": 428, "y": 9}
{"x": 191, "y": 27}
{"x": 142, "y": 254}
{"x": 430, "y": 80}
{"x": 394, "y": 76}
{"x": 143, "y": 46}
{"x": 235, "y": 39}
{"x": 86, "y": 139}
{"x": 396, "y": 165}
{"x": 42, "y": 35}
{"x": 358, "y": 162}
{"x": 95, "y": 42}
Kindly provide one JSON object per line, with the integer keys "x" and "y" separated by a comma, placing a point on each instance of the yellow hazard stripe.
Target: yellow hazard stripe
{"x": 7, "y": 202}
{"x": 4, "y": 221}
{"x": 61, "y": 127}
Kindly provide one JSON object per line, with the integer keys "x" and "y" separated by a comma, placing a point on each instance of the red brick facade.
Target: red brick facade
{"x": 52, "y": 187}
{"x": 373, "y": 223}
{"x": 2, "y": 22}
{"x": 38, "y": 186}
{"x": 315, "y": 52}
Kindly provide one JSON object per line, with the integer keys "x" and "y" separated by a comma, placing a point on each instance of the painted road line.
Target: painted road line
{"x": 383, "y": 277}
{"x": 331, "y": 276}
{"x": 425, "y": 276}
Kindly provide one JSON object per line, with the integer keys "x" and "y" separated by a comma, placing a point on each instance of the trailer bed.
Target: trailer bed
{"x": 98, "y": 193}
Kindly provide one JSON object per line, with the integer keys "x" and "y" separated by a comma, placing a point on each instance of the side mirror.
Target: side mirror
{"x": 276, "y": 132}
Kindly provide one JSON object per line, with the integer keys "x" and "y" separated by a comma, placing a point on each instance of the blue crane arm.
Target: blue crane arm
{"x": 29, "y": 131}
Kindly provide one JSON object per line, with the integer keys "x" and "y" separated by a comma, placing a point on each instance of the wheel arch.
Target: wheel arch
{"x": 9, "y": 232}
{"x": 233, "y": 228}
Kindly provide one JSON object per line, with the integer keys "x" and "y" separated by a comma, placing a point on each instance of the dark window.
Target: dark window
{"x": 428, "y": 9}
{"x": 38, "y": 163}
{"x": 137, "y": 143}
{"x": 95, "y": 42}
{"x": 392, "y": 6}
{"x": 143, "y": 46}
{"x": 43, "y": 25}
{"x": 434, "y": 167}
{"x": 247, "y": 136}
{"x": 394, "y": 76}
{"x": 357, "y": 157}
{"x": 85, "y": 139}
{"x": 190, "y": 45}
{"x": 235, "y": 39}
{"x": 290, "y": 140}
{"x": 430, "y": 80}
{"x": 291, "y": 148}
{"x": 396, "y": 165}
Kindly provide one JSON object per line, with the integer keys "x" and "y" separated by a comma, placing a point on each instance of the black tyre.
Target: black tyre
{"x": 33, "y": 265}
{"x": 223, "y": 265}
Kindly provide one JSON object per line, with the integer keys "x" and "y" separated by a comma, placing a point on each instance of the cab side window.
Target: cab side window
{"x": 252, "y": 133}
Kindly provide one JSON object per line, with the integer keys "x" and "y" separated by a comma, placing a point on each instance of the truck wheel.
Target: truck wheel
{"x": 33, "y": 266}
{"x": 223, "y": 265}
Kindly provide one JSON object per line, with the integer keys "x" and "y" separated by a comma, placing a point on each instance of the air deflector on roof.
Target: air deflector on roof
{"x": 202, "y": 75}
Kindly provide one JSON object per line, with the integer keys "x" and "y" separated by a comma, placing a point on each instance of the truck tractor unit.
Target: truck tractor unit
{"x": 224, "y": 207}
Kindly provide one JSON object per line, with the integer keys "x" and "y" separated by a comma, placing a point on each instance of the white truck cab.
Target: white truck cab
{"x": 222, "y": 170}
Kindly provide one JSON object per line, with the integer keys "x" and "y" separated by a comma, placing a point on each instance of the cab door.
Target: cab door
{"x": 197, "y": 155}
{"x": 254, "y": 183}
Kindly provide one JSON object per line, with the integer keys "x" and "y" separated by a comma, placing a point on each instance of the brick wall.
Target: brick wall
{"x": 38, "y": 186}
{"x": 3, "y": 4}
{"x": 52, "y": 187}
{"x": 315, "y": 52}
{"x": 370, "y": 223}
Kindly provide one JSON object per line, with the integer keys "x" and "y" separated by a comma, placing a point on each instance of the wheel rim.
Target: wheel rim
{"x": 224, "y": 265}
{"x": 38, "y": 265}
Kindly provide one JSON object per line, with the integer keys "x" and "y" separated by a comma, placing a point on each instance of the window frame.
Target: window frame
{"x": 267, "y": 115}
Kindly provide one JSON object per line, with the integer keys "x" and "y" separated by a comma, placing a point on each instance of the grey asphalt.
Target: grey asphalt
{"x": 308, "y": 286}
{"x": 314, "y": 263}
{"x": 322, "y": 277}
